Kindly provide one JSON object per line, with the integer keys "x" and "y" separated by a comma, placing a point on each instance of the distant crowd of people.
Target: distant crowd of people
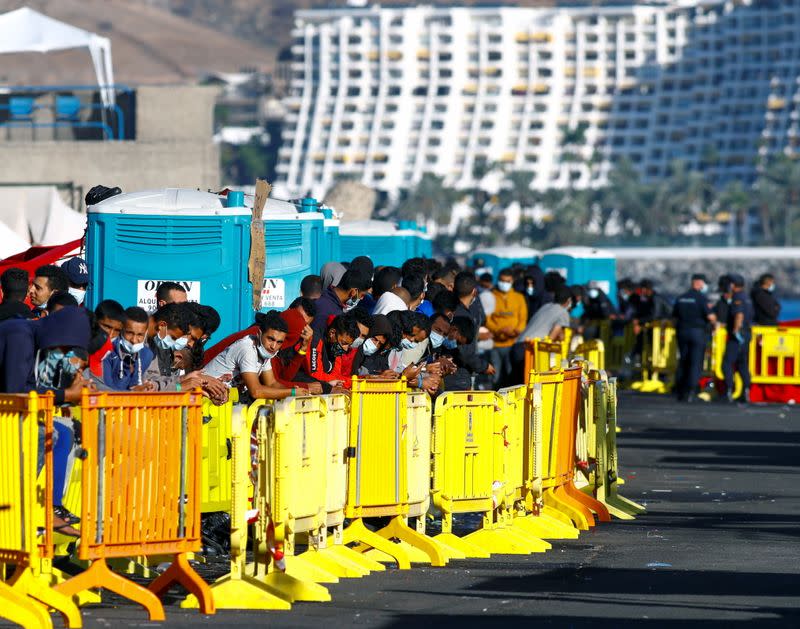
{"x": 440, "y": 326}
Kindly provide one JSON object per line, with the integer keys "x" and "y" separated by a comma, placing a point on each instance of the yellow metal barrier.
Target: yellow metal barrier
{"x": 606, "y": 476}
{"x": 618, "y": 342}
{"x": 544, "y": 355}
{"x": 216, "y": 462}
{"x": 509, "y": 469}
{"x": 378, "y": 474}
{"x": 26, "y": 597}
{"x": 238, "y": 589}
{"x": 659, "y": 358}
{"x": 141, "y": 492}
{"x": 593, "y": 352}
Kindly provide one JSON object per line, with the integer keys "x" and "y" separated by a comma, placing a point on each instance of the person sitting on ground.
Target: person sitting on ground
{"x": 124, "y": 367}
{"x": 170, "y": 293}
{"x": 47, "y": 280}
{"x": 59, "y": 300}
{"x": 49, "y": 355}
{"x": 324, "y": 362}
{"x": 311, "y": 287}
{"x": 247, "y": 364}
{"x": 339, "y": 298}
{"x": 767, "y": 309}
{"x": 78, "y": 275}
{"x": 14, "y": 283}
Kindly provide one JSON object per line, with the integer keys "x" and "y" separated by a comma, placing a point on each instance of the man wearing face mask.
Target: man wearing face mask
{"x": 324, "y": 362}
{"x": 124, "y": 367}
{"x": 767, "y": 309}
{"x": 506, "y": 322}
{"x": 466, "y": 290}
{"x": 692, "y": 314}
{"x": 78, "y": 275}
{"x": 47, "y": 280}
{"x": 339, "y": 299}
{"x": 371, "y": 359}
{"x": 49, "y": 355}
{"x": 596, "y": 304}
{"x": 247, "y": 363}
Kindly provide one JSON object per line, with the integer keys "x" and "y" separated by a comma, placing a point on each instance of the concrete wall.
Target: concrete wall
{"x": 173, "y": 148}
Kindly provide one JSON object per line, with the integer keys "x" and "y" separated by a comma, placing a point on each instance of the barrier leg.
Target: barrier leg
{"x": 399, "y": 528}
{"x": 589, "y": 502}
{"x": 292, "y": 589}
{"x": 357, "y": 532}
{"x": 24, "y": 581}
{"x": 19, "y": 609}
{"x": 340, "y": 552}
{"x": 53, "y": 576}
{"x": 556, "y": 504}
{"x": 545, "y": 527}
{"x": 181, "y": 572}
{"x": 302, "y": 567}
{"x": 502, "y": 540}
{"x": 562, "y": 495}
{"x": 447, "y": 538}
{"x": 100, "y": 576}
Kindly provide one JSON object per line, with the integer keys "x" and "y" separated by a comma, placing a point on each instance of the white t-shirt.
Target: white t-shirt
{"x": 240, "y": 357}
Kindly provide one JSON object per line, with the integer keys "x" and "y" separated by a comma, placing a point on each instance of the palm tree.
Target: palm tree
{"x": 737, "y": 201}
{"x": 430, "y": 198}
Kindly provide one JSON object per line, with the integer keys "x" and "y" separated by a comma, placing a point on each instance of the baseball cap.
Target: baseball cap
{"x": 77, "y": 271}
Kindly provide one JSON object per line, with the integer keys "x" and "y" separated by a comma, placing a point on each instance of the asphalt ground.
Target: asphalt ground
{"x": 719, "y": 546}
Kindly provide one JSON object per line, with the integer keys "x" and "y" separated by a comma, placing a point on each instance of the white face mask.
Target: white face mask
{"x": 407, "y": 344}
{"x": 263, "y": 354}
{"x": 370, "y": 347}
{"x": 358, "y": 342}
{"x": 130, "y": 348}
{"x": 78, "y": 293}
{"x": 436, "y": 339}
{"x": 504, "y": 287}
{"x": 594, "y": 293}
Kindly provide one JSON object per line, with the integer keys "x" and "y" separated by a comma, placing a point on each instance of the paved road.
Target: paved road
{"x": 719, "y": 547}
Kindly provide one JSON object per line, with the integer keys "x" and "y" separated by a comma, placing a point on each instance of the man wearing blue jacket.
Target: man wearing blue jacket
{"x": 44, "y": 355}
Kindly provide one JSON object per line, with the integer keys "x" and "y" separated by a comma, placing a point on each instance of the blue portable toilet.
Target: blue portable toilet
{"x": 580, "y": 265}
{"x": 497, "y": 258}
{"x": 379, "y": 240}
{"x": 325, "y": 246}
{"x": 418, "y": 244}
{"x": 136, "y": 241}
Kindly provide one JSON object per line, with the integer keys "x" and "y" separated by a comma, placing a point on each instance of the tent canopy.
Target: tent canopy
{"x": 26, "y": 30}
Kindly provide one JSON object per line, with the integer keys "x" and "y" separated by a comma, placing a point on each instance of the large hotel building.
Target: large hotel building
{"x": 385, "y": 94}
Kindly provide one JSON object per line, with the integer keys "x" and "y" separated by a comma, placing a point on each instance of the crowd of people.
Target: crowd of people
{"x": 438, "y": 325}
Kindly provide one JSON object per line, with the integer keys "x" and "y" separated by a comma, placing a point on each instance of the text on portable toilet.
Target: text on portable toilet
{"x": 273, "y": 293}
{"x": 146, "y": 292}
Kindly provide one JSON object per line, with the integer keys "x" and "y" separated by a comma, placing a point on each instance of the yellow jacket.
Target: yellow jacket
{"x": 510, "y": 311}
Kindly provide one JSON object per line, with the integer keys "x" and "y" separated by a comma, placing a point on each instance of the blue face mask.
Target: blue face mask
{"x": 406, "y": 344}
{"x": 704, "y": 290}
{"x": 369, "y": 347}
{"x": 130, "y": 348}
{"x": 531, "y": 291}
{"x": 771, "y": 289}
{"x": 450, "y": 343}
{"x": 436, "y": 339}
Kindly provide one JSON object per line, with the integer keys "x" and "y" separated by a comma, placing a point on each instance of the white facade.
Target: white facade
{"x": 383, "y": 95}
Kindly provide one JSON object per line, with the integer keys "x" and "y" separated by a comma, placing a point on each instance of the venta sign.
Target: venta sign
{"x": 146, "y": 292}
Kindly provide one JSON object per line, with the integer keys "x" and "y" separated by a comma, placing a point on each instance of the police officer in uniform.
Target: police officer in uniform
{"x": 692, "y": 314}
{"x": 737, "y": 347}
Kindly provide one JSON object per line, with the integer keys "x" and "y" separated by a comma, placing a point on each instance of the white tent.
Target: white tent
{"x": 26, "y": 30}
{"x": 36, "y": 215}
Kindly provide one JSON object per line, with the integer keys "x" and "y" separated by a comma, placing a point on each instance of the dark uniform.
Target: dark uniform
{"x": 691, "y": 313}
{"x": 737, "y": 348}
{"x": 766, "y": 308}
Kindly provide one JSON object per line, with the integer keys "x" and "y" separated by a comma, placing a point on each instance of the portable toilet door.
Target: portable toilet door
{"x": 295, "y": 243}
{"x": 325, "y": 246}
{"x": 580, "y": 265}
{"x": 377, "y": 239}
{"x": 137, "y": 241}
{"x": 497, "y": 258}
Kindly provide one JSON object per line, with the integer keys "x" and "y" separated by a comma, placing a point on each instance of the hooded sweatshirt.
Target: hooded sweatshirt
{"x": 21, "y": 340}
{"x": 389, "y": 302}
